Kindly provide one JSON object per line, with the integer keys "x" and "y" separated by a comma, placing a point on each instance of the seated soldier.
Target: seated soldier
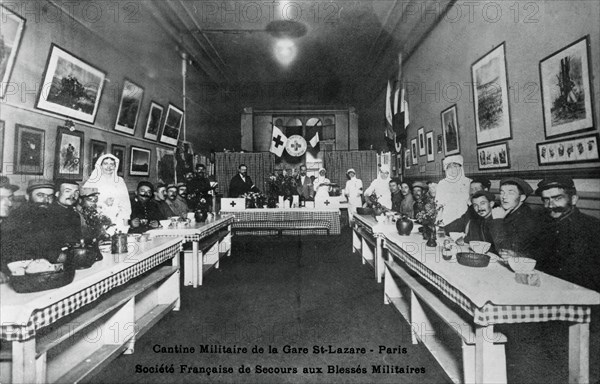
{"x": 420, "y": 197}
{"x": 64, "y": 211}
{"x": 177, "y": 204}
{"x": 482, "y": 227}
{"x": 160, "y": 195}
{"x": 93, "y": 223}
{"x": 33, "y": 230}
{"x": 145, "y": 214}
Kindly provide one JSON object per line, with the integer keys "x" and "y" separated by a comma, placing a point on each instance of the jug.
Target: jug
{"x": 118, "y": 243}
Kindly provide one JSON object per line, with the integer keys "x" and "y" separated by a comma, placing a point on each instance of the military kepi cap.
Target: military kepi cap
{"x": 421, "y": 185}
{"x": 39, "y": 183}
{"x": 523, "y": 185}
{"x": 5, "y": 183}
{"x": 555, "y": 182}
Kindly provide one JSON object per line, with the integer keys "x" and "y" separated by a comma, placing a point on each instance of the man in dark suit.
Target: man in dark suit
{"x": 241, "y": 183}
{"x": 304, "y": 184}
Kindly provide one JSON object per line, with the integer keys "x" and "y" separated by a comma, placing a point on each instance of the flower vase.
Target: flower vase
{"x": 272, "y": 202}
{"x": 430, "y": 235}
{"x": 200, "y": 216}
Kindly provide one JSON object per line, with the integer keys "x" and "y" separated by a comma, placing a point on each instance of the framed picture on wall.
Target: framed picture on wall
{"x": 119, "y": 152}
{"x": 139, "y": 161}
{"x": 97, "y": 149}
{"x": 153, "y": 122}
{"x": 407, "y": 159}
{"x": 172, "y": 125}
{"x": 165, "y": 165}
{"x": 421, "y": 136}
{"x": 566, "y": 90}
{"x": 12, "y": 31}
{"x": 1, "y": 144}
{"x": 490, "y": 97}
{"x": 129, "y": 108}
{"x": 414, "y": 151}
{"x": 73, "y": 87}
{"x": 29, "y": 150}
{"x": 567, "y": 151}
{"x": 68, "y": 154}
{"x": 450, "y": 131}
{"x": 430, "y": 150}
{"x": 493, "y": 156}
{"x": 440, "y": 143}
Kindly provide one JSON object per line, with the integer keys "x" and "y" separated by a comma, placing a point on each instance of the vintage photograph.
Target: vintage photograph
{"x": 68, "y": 159}
{"x": 414, "y": 151}
{"x": 422, "y": 144}
{"x": 490, "y": 91}
{"x": 430, "y": 149}
{"x": 29, "y": 150}
{"x": 450, "y": 131}
{"x": 574, "y": 150}
{"x": 165, "y": 165}
{"x": 10, "y": 37}
{"x": 566, "y": 90}
{"x": 172, "y": 125}
{"x": 119, "y": 152}
{"x": 129, "y": 108}
{"x": 97, "y": 149}
{"x": 139, "y": 161}
{"x": 493, "y": 156}
{"x": 71, "y": 87}
{"x": 153, "y": 122}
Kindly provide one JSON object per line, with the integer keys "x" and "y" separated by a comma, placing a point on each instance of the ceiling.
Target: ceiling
{"x": 347, "y": 52}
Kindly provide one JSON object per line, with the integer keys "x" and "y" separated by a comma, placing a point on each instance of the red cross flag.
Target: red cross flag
{"x": 278, "y": 140}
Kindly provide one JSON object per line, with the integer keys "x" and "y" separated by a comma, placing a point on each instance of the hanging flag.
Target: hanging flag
{"x": 396, "y": 95}
{"x": 315, "y": 140}
{"x": 388, "y": 103}
{"x": 278, "y": 140}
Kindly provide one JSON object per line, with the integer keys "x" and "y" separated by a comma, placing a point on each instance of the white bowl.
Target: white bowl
{"x": 165, "y": 223}
{"x": 480, "y": 246}
{"x": 521, "y": 264}
{"x": 380, "y": 218}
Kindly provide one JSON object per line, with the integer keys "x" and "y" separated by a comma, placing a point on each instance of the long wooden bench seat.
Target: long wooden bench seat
{"x": 281, "y": 227}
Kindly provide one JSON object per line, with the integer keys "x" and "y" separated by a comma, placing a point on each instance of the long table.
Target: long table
{"x": 65, "y": 334}
{"x": 290, "y": 221}
{"x": 423, "y": 286}
{"x": 207, "y": 245}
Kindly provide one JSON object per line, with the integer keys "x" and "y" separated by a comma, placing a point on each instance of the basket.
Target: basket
{"x": 36, "y": 282}
{"x": 472, "y": 259}
{"x": 364, "y": 211}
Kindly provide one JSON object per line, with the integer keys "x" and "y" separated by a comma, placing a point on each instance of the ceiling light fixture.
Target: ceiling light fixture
{"x": 285, "y": 51}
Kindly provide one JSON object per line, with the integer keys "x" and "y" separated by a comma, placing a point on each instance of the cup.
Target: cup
{"x": 190, "y": 216}
{"x": 165, "y": 223}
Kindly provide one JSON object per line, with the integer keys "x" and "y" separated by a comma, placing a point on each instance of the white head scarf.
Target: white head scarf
{"x": 97, "y": 172}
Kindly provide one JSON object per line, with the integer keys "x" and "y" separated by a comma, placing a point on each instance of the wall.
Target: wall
{"x": 123, "y": 45}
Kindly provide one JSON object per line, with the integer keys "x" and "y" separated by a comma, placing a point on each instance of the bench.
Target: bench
{"x": 418, "y": 305}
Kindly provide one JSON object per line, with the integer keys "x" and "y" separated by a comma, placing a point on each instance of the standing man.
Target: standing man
{"x": 521, "y": 227}
{"x": 64, "y": 211}
{"x": 396, "y": 195}
{"x": 199, "y": 187}
{"x": 569, "y": 241}
{"x": 353, "y": 191}
{"x": 304, "y": 184}
{"x": 241, "y": 183}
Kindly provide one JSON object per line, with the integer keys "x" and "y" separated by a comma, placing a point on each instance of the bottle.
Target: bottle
{"x": 441, "y": 233}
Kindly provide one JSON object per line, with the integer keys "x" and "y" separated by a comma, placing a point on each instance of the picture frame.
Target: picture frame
{"x": 495, "y": 156}
{"x": 139, "y": 161}
{"x": 165, "y": 165}
{"x": 68, "y": 154}
{"x": 97, "y": 149}
{"x": 119, "y": 152}
{"x": 440, "y": 143}
{"x": 153, "y": 121}
{"x": 71, "y": 86}
{"x": 450, "y": 130}
{"x": 430, "y": 150}
{"x": 566, "y": 86}
{"x": 129, "y": 107}
{"x": 421, "y": 136}
{"x": 407, "y": 159}
{"x": 414, "y": 151}
{"x": 171, "y": 125}
{"x": 582, "y": 149}
{"x": 490, "y": 97}
{"x": 13, "y": 26}
{"x": 1, "y": 145}
{"x": 29, "y": 150}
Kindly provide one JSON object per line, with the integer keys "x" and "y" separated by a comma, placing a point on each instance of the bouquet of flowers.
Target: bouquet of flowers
{"x": 428, "y": 216}
{"x": 255, "y": 199}
{"x": 373, "y": 202}
{"x": 96, "y": 224}
{"x": 281, "y": 185}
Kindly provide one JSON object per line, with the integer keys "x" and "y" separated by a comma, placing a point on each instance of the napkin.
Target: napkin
{"x": 532, "y": 279}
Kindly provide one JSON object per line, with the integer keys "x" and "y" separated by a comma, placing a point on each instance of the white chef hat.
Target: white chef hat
{"x": 458, "y": 159}
{"x": 350, "y": 170}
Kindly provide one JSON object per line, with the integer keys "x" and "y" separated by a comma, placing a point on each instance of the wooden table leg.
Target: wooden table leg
{"x": 378, "y": 259}
{"x": 579, "y": 353}
{"x": 24, "y": 366}
{"x": 195, "y": 262}
{"x": 484, "y": 354}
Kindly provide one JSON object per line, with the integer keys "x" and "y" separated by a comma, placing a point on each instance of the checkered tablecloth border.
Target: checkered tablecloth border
{"x": 48, "y": 315}
{"x": 491, "y": 314}
{"x": 278, "y": 217}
